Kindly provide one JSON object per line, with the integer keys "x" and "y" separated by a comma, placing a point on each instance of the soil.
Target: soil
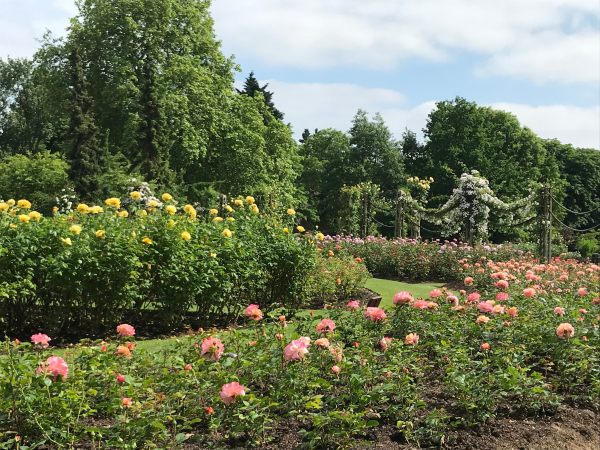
{"x": 569, "y": 429}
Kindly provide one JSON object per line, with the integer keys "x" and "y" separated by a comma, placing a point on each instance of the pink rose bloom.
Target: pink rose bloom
{"x": 582, "y": 292}
{"x": 375, "y": 314}
{"x": 453, "y": 299}
{"x": 125, "y": 330}
{"x": 337, "y": 353}
{"x": 253, "y": 312}
{"x": 230, "y": 391}
{"x": 485, "y": 307}
{"x": 482, "y": 319}
{"x": 411, "y": 339}
{"x": 435, "y": 293}
{"x": 498, "y": 309}
{"x": 126, "y": 402}
{"x": 212, "y": 348}
{"x": 473, "y": 297}
{"x": 322, "y": 342}
{"x": 529, "y": 292}
{"x": 336, "y": 369}
{"x": 352, "y": 305}
{"x": 296, "y": 349}
{"x": 403, "y": 297}
{"x": 325, "y": 326}
{"x": 40, "y": 340}
{"x": 55, "y": 366}
{"x": 462, "y": 292}
{"x": 120, "y": 379}
{"x": 501, "y": 296}
{"x": 485, "y": 346}
{"x": 468, "y": 281}
{"x": 565, "y": 331}
{"x": 502, "y": 284}
{"x": 420, "y": 304}
{"x": 384, "y": 343}
{"x": 559, "y": 311}
{"x": 512, "y": 311}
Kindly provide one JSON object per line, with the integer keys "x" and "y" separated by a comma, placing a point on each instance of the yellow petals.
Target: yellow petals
{"x": 250, "y": 200}
{"x": 320, "y": 236}
{"x": 4, "y": 206}
{"x": 186, "y": 236}
{"x": 153, "y": 203}
{"x": 113, "y": 202}
{"x": 100, "y": 234}
{"x": 83, "y": 208}
{"x": 66, "y": 241}
{"x": 135, "y": 195}
{"x": 23, "y": 204}
{"x": 75, "y": 229}
{"x": 123, "y": 213}
{"x": 24, "y": 218}
{"x": 227, "y": 233}
{"x": 166, "y": 197}
{"x": 238, "y": 202}
{"x": 291, "y": 211}
{"x": 146, "y": 240}
{"x": 170, "y": 209}
{"x": 218, "y": 219}
{"x": 34, "y": 215}
{"x": 300, "y": 229}
{"x": 214, "y": 212}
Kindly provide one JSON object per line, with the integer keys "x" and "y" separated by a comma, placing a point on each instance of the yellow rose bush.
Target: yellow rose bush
{"x": 77, "y": 273}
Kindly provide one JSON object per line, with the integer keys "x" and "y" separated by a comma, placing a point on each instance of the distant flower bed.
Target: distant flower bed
{"x": 81, "y": 271}
{"x": 519, "y": 338}
{"x": 411, "y": 259}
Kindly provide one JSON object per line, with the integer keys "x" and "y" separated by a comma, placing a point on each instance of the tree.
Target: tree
{"x": 87, "y": 154}
{"x": 415, "y": 157}
{"x": 252, "y": 87}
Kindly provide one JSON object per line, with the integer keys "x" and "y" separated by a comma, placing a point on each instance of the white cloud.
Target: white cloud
{"x": 24, "y": 22}
{"x": 318, "y": 105}
{"x": 539, "y": 39}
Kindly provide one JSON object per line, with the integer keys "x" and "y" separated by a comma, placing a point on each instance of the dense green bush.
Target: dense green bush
{"x": 78, "y": 273}
{"x": 41, "y": 178}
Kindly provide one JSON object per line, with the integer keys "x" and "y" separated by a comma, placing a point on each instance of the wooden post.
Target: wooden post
{"x": 546, "y": 225}
{"x": 222, "y": 204}
{"x": 399, "y": 222}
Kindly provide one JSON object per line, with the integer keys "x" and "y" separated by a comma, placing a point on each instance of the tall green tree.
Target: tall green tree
{"x": 252, "y": 88}
{"x": 87, "y": 155}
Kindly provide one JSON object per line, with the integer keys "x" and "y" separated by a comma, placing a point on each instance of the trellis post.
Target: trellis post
{"x": 399, "y": 222}
{"x": 222, "y": 204}
{"x": 546, "y": 225}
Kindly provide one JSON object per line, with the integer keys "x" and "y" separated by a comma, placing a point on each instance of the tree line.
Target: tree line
{"x": 140, "y": 89}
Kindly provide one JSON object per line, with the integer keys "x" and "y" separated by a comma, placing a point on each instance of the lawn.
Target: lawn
{"x": 387, "y": 289}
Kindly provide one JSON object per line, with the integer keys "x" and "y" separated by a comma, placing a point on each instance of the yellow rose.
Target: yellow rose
{"x": 291, "y": 211}
{"x": 123, "y": 213}
{"x": 255, "y": 209}
{"x": 11, "y": 202}
{"x": 230, "y": 219}
{"x": 147, "y": 240}
{"x": 228, "y": 208}
{"x": 185, "y": 236}
{"x": 193, "y": 215}
{"x": 83, "y": 208}
{"x": 189, "y": 209}
{"x": 171, "y": 223}
{"x": 300, "y": 229}
{"x": 34, "y": 215}
{"x": 24, "y": 204}
{"x": 113, "y": 201}
{"x": 320, "y": 236}
{"x": 135, "y": 195}
{"x": 24, "y": 218}
{"x": 66, "y": 241}
{"x": 286, "y": 230}
{"x": 214, "y": 212}
{"x": 227, "y": 233}
{"x": 218, "y": 219}
{"x": 238, "y": 202}
{"x": 250, "y": 200}
{"x": 142, "y": 213}
{"x": 55, "y": 209}
{"x": 166, "y": 197}
{"x": 75, "y": 229}
{"x": 153, "y": 203}
{"x": 4, "y": 207}
{"x": 170, "y": 209}
{"x": 213, "y": 255}
{"x": 100, "y": 234}
{"x": 95, "y": 210}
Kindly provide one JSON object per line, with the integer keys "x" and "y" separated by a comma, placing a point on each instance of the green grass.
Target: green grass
{"x": 387, "y": 289}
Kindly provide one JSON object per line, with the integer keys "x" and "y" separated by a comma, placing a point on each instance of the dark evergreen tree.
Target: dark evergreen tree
{"x": 87, "y": 155}
{"x": 252, "y": 86}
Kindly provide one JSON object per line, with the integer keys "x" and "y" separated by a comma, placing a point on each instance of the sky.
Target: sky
{"x": 325, "y": 59}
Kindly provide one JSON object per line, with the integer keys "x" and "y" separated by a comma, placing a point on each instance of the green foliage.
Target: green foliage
{"x": 41, "y": 178}
{"x": 588, "y": 244}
